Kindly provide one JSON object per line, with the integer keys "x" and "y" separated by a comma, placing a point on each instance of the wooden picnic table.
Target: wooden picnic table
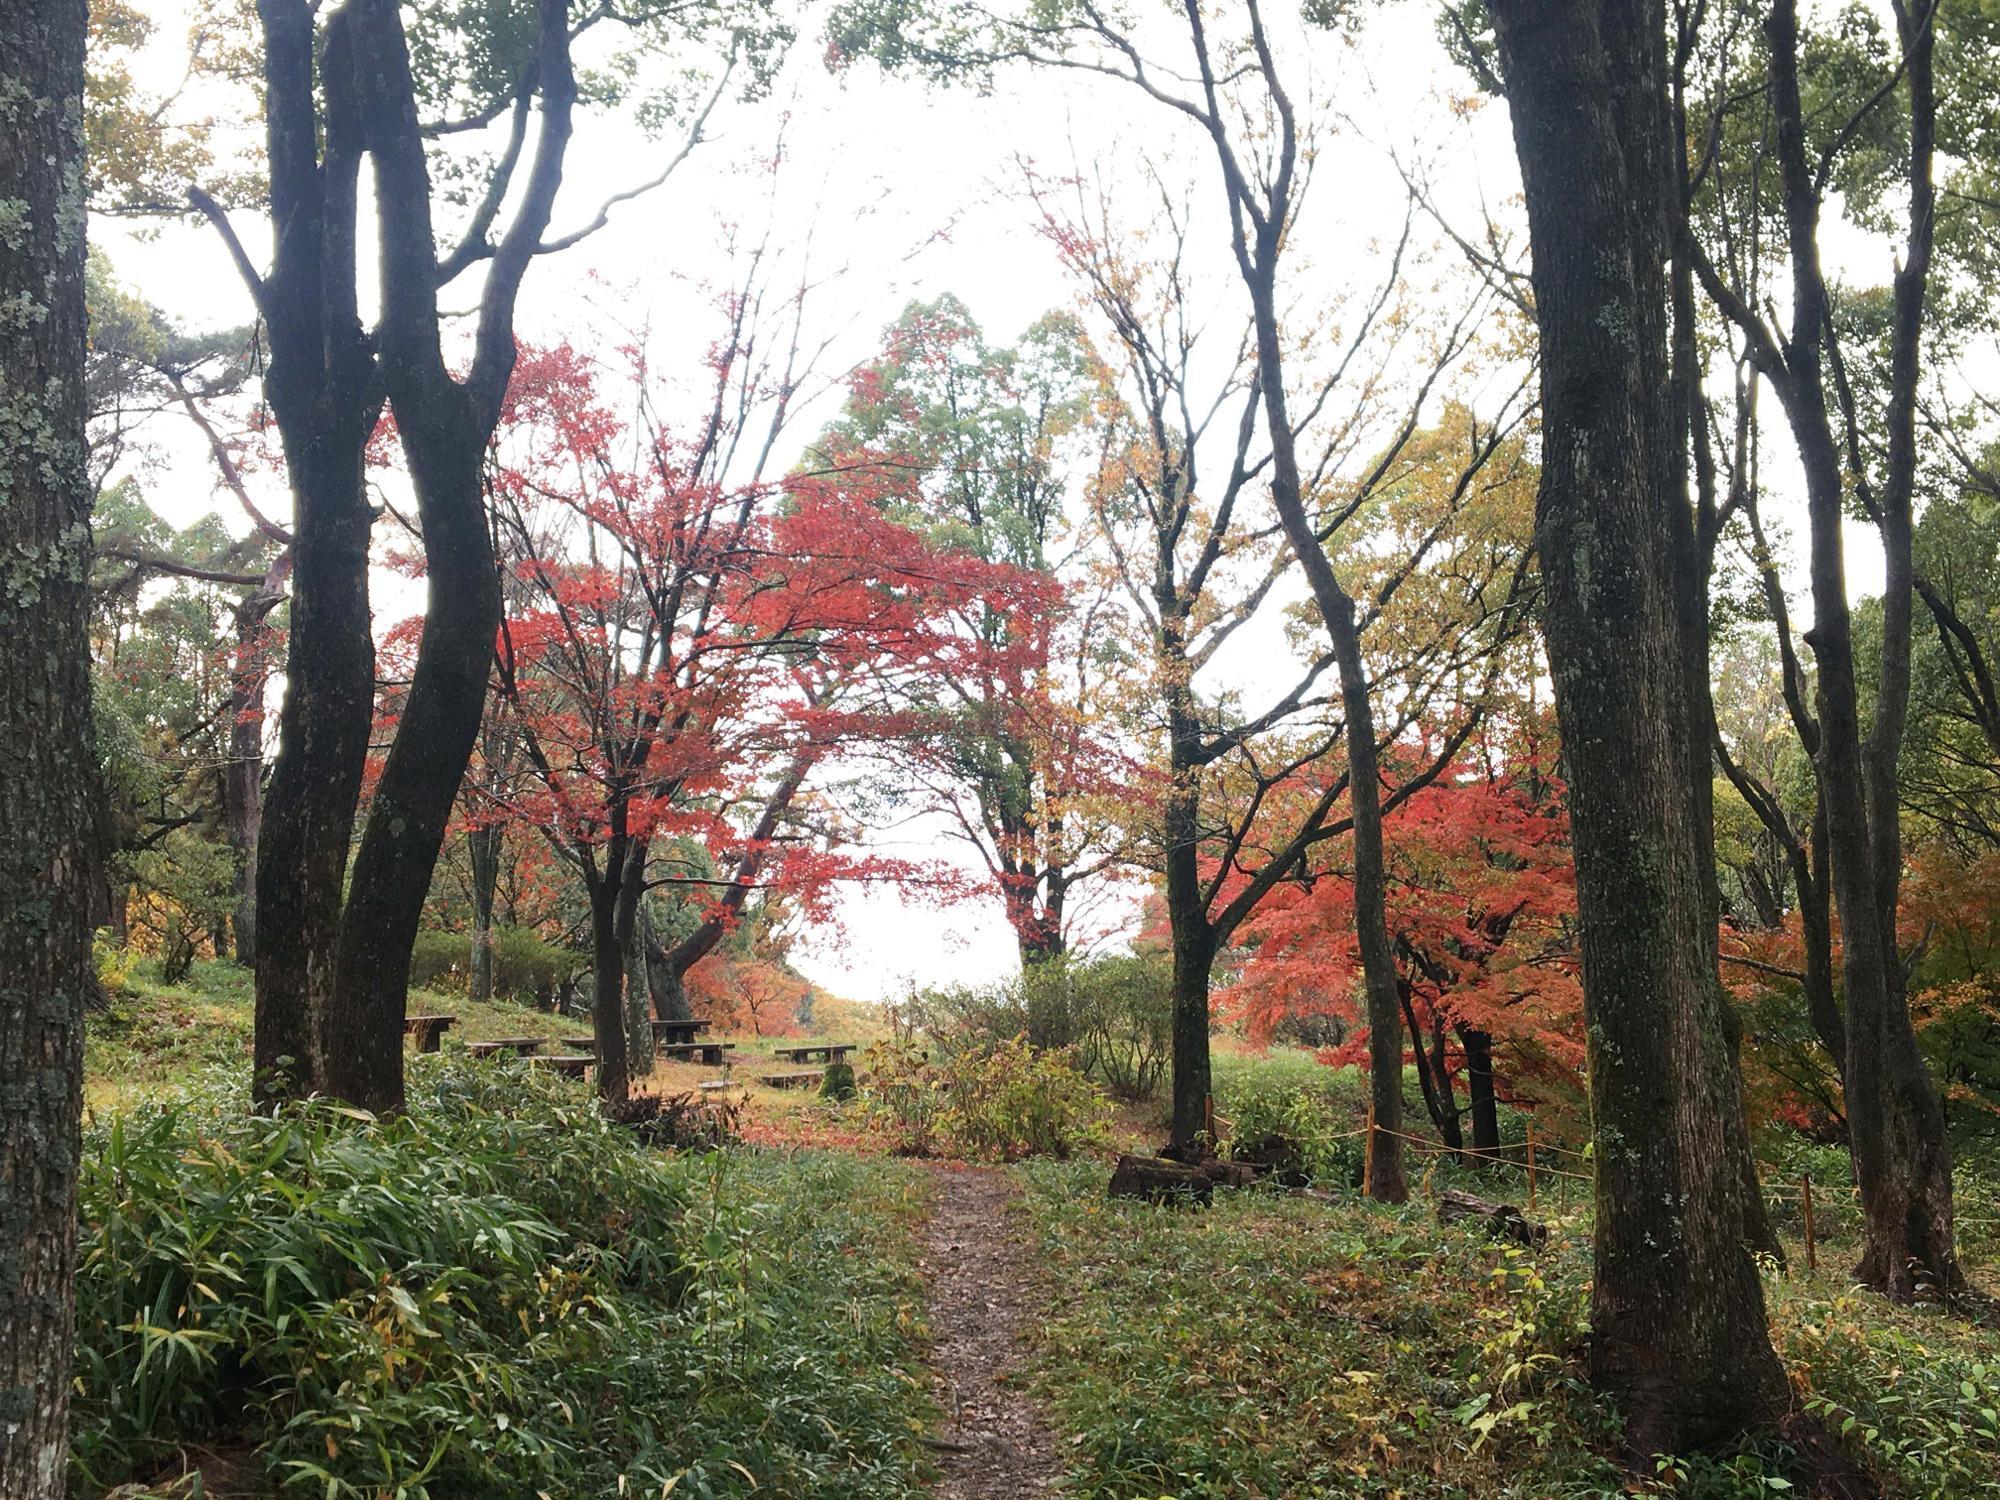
{"x": 831, "y": 1052}
{"x": 525, "y": 1046}
{"x": 428, "y": 1030}
{"x": 676, "y": 1032}
{"x": 572, "y": 1066}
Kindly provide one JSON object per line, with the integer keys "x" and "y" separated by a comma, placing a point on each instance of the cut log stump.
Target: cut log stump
{"x": 1154, "y": 1179}
{"x": 1276, "y": 1156}
{"x": 1503, "y": 1221}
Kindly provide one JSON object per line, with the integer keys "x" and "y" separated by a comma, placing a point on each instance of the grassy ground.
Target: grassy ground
{"x": 1270, "y": 1346}
{"x": 154, "y": 1034}
{"x": 1274, "y": 1346}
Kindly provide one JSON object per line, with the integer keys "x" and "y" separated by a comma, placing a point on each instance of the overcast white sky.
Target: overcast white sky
{"x": 915, "y": 192}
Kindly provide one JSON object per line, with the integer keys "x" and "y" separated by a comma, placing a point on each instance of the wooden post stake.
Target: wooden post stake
{"x": 1368, "y": 1153}
{"x": 1812, "y": 1245}
{"x": 1531, "y": 1166}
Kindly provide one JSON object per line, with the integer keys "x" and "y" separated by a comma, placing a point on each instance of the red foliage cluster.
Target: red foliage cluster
{"x": 681, "y": 639}
{"x": 1481, "y": 905}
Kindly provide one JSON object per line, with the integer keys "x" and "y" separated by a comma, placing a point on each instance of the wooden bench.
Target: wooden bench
{"x": 830, "y": 1052}
{"x": 572, "y": 1067}
{"x": 707, "y": 1052}
{"x": 428, "y": 1030}
{"x": 524, "y": 1046}
{"x": 803, "y": 1078}
{"x": 715, "y": 1085}
{"x": 580, "y": 1043}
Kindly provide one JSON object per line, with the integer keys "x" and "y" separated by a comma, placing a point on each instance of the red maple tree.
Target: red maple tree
{"x": 1481, "y": 908}
{"x": 689, "y": 639}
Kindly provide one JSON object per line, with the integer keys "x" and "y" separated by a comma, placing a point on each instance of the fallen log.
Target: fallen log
{"x": 1228, "y": 1173}
{"x": 1503, "y": 1221}
{"x": 1154, "y": 1179}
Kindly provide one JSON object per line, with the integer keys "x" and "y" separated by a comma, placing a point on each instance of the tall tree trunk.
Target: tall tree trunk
{"x": 1188, "y": 921}
{"x": 1364, "y": 776}
{"x": 49, "y": 865}
{"x": 325, "y": 396}
{"x": 483, "y": 845}
{"x": 362, "y": 1025}
{"x": 444, "y": 426}
{"x": 1681, "y": 1341}
{"x": 1695, "y": 531}
{"x": 1896, "y": 1123}
{"x": 1481, "y": 1099}
{"x": 639, "y": 991}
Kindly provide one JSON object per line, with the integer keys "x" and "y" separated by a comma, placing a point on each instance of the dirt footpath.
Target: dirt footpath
{"x": 995, "y": 1441}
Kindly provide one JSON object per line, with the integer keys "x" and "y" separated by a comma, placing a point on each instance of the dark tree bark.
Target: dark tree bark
{"x": 1260, "y": 220}
{"x": 1481, "y": 1099}
{"x": 332, "y": 976}
{"x": 444, "y": 424}
{"x": 1194, "y": 946}
{"x": 325, "y": 396}
{"x": 1902, "y": 1155}
{"x": 1680, "y": 1335}
{"x": 49, "y": 858}
{"x": 483, "y": 846}
{"x": 1897, "y": 1134}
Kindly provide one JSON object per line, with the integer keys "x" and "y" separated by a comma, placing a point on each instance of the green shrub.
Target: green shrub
{"x": 1314, "y": 1116}
{"x": 838, "y": 1081}
{"x": 1113, "y": 1014}
{"x": 527, "y": 969}
{"x": 499, "y": 1293}
{"x": 1001, "y": 1104}
{"x": 439, "y": 960}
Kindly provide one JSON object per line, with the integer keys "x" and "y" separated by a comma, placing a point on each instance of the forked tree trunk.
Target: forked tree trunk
{"x": 1680, "y": 1339}
{"x": 325, "y": 397}
{"x": 1896, "y": 1123}
{"x": 331, "y": 989}
{"x": 49, "y": 863}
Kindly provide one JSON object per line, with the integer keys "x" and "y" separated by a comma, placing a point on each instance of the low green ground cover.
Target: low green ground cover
{"x": 498, "y": 1294}
{"x": 1273, "y": 1346}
